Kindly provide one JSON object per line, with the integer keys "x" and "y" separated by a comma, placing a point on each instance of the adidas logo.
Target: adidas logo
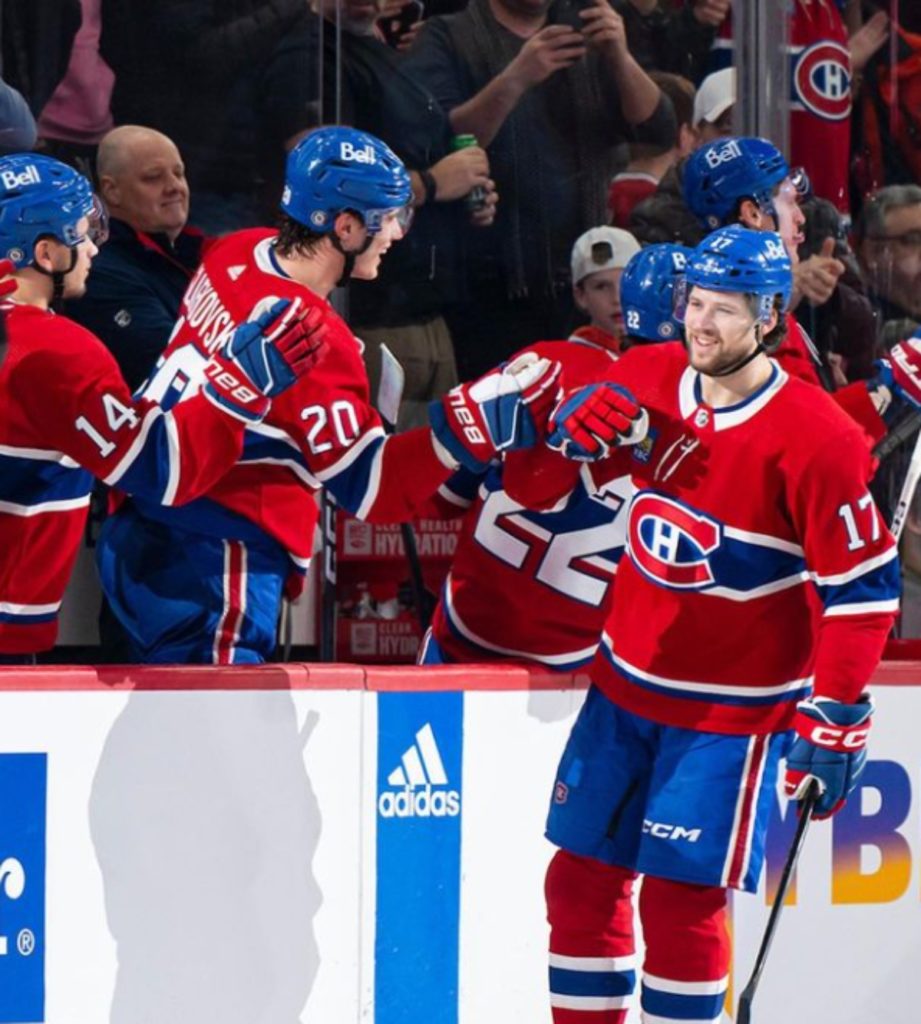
{"x": 414, "y": 781}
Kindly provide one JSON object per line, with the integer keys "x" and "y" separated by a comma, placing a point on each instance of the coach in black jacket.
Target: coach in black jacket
{"x": 139, "y": 277}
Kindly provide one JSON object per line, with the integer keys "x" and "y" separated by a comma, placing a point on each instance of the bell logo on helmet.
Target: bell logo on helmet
{"x": 716, "y": 156}
{"x": 364, "y": 155}
{"x": 28, "y": 176}
{"x": 774, "y": 250}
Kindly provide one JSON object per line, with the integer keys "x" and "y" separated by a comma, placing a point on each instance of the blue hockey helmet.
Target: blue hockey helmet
{"x": 39, "y": 198}
{"x": 719, "y": 175}
{"x": 737, "y": 259}
{"x": 647, "y": 291}
{"x": 336, "y": 169}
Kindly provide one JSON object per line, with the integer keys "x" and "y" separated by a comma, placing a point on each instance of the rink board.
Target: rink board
{"x": 305, "y": 843}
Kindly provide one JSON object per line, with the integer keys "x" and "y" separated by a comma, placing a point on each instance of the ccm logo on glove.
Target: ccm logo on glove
{"x": 223, "y": 378}
{"x": 832, "y": 738}
{"x": 457, "y": 401}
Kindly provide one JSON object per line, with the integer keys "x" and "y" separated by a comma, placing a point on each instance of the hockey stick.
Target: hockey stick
{"x": 328, "y": 587}
{"x": 807, "y": 806}
{"x": 909, "y": 485}
{"x": 389, "y": 394}
{"x": 900, "y": 433}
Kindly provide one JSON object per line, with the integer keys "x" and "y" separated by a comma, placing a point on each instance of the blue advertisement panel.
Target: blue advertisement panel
{"x": 419, "y": 803}
{"x": 23, "y": 785}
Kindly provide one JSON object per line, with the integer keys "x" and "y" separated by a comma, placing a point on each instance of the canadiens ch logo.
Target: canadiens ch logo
{"x": 822, "y": 80}
{"x": 671, "y": 543}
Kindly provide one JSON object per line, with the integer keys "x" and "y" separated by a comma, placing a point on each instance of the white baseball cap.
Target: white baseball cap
{"x": 602, "y": 248}
{"x": 716, "y": 95}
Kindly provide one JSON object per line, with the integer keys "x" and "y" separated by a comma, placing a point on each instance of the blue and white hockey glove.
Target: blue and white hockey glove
{"x": 505, "y": 409}
{"x": 898, "y": 376}
{"x": 830, "y": 747}
{"x": 265, "y": 356}
{"x": 588, "y": 423}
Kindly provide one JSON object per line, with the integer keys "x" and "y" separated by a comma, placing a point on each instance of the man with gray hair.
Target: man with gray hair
{"x": 139, "y": 277}
{"x": 888, "y": 234}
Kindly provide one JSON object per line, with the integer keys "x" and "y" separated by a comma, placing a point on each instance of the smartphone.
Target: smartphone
{"x": 393, "y": 29}
{"x": 566, "y": 12}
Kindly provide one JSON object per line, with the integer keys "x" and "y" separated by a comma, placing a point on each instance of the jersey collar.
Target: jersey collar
{"x": 690, "y": 398}
{"x": 267, "y": 261}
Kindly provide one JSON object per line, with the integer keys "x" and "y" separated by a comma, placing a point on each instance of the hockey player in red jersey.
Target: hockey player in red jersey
{"x": 750, "y": 514}
{"x": 748, "y": 181}
{"x": 204, "y": 583}
{"x": 820, "y": 92}
{"x": 534, "y": 584}
{"x": 67, "y": 415}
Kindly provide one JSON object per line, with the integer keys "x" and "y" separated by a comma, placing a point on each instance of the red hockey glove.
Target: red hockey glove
{"x": 830, "y": 747}
{"x": 266, "y": 356}
{"x": 900, "y": 376}
{"x": 588, "y": 423}
{"x": 505, "y": 409}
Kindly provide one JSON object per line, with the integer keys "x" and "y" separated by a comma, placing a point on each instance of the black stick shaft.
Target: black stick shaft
{"x": 807, "y": 806}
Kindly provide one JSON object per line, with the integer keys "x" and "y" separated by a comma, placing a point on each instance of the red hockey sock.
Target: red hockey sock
{"x": 686, "y": 969}
{"x": 592, "y": 972}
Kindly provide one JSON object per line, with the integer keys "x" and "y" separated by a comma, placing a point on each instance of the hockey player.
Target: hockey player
{"x": 748, "y": 181}
{"x": 204, "y": 583}
{"x": 751, "y": 511}
{"x": 534, "y": 585}
{"x": 647, "y": 294}
{"x": 66, "y": 415}
{"x": 823, "y": 64}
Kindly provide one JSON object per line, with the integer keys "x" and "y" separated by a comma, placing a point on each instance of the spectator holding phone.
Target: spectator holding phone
{"x": 421, "y": 278}
{"x": 550, "y": 89}
{"x": 399, "y": 21}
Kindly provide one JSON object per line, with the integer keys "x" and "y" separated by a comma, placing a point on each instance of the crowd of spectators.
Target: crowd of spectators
{"x": 523, "y": 122}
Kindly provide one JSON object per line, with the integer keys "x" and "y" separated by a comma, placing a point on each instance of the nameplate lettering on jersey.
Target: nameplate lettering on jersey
{"x": 206, "y": 315}
{"x": 671, "y": 542}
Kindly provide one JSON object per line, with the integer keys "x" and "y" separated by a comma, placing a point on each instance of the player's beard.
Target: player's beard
{"x": 726, "y": 362}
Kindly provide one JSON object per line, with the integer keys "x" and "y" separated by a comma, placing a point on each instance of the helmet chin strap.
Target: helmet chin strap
{"x": 745, "y": 360}
{"x": 348, "y": 256}
{"x": 57, "y": 279}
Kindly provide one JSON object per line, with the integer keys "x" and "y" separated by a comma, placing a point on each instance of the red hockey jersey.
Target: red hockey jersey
{"x": 626, "y": 190}
{"x": 66, "y": 415}
{"x": 756, "y": 562}
{"x": 321, "y": 432}
{"x": 820, "y": 94}
{"x": 528, "y": 584}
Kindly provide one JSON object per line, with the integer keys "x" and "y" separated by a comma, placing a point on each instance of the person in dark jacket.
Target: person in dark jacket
{"x": 552, "y": 92}
{"x": 37, "y": 39}
{"x": 192, "y": 69}
{"x": 134, "y": 292}
{"x": 17, "y": 125}
{"x": 422, "y": 277}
